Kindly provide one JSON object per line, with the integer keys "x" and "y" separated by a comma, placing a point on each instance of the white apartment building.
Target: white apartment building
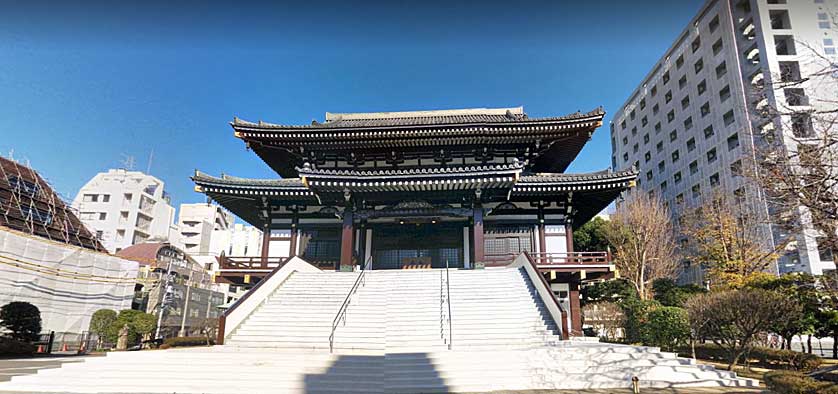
{"x": 196, "y": 225}
{"x": 694, "y": 121}
{"x": 126, "y": 208}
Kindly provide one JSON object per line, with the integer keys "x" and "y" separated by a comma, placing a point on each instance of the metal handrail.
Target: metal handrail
{"x": 448, "y": 293}
{"x": 341, "y": 315}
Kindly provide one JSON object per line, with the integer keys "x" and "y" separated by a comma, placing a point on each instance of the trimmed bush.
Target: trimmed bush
{"x": 22, "y": 319}
{"x": 14, "y": 347}
{"x": 791, "y": 382}
{"x": 185, "y": 341}
{"x": 666, "y": 327}
{"x": 760, "y": 356}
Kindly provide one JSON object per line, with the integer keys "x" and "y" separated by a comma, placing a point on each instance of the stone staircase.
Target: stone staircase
{"x": 391, "y": 342}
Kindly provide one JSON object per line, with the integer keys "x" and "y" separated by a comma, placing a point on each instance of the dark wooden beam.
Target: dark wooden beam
{"x": 266, "y": 243}
{"x": 542, "y": 237}
{"x": 569, "y": 235}
{"x": 293, "y": 244}
{"x": 575, "y": 309}
{"x": 346, "y": 240}
{"x": 477, "y": 230}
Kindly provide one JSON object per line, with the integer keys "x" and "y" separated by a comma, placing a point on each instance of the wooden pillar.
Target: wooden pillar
{"x": 542, "y": 237}
{"x": 360, "y": 246}
{"x": 266, "y": 243}
{"x": 477, "y": 230}
{"x": 346, "y": 239}
{"x": 575, "y": 308}
{"x": 292, "y": 245}
{"x": 568, "y": 227}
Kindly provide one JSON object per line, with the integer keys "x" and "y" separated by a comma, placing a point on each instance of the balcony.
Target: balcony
{"x": 559, "y": 262}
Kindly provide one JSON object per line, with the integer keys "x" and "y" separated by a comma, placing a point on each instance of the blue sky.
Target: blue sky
{"x": 84, "y": 83}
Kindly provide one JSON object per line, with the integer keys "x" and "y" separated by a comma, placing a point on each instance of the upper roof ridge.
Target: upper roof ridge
{"x": 330, "y": 116}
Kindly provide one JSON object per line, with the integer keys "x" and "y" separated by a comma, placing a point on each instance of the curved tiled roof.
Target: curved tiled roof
{"x": 415, "y": 172}
{"x": 232, "y": 181}
{"x": 431, "y": 120}
{"x": 144, "y": 253}
{"x": 591, "y": 177}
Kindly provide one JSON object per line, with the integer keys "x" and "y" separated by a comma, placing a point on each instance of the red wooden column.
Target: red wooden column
{"x": 575, "y": 308}
{"x": 477, "y": 231}
{"x": 568, "y": 227}
{"x": 346, "y": 239}
{"x": 266, "y": 244}
{"x": 542, "y": 235}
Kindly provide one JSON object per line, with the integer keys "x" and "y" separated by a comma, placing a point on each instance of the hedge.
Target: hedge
{"x": 759, "y": 356}
{"x": 185, "y": 341}
{"x": 791, "y": 382}
{"x": 14, "y": 347}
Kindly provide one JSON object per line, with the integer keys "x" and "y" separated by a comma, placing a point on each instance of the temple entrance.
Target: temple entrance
{"x": 424, "y": 245}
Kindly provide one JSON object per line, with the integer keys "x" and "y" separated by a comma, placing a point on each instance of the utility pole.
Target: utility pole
{"x": 166, "y": 299}
{"x": 183, "y": 313}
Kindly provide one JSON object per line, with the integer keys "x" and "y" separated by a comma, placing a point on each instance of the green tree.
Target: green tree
{"x": 616, "y": 290}
{"x": 666, "y": 327}
{"x": 636, "y": 313}
{"x": 802, "y": 289}
{"x": 100, "y": 323}
{"x": 826, "y": 325}
{"x": 591, "y": 236}
{"x": 139, "y": 324}
{"x": 668, "y": 293}
{"x": 22, "y": 319}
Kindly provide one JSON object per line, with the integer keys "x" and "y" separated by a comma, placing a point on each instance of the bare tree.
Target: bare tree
{"x": 727, "y": 236}
{"x": 798, "y": 152}
{"x": 643, "y": 239}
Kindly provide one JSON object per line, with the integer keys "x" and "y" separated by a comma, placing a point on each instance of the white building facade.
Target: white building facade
{"x": 197, "y": 223}
{"x": 694, "y": 123}
{"x": 125, "y": 208}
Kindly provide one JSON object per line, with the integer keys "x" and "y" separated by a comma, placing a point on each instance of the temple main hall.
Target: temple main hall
{"x": 463, "y": 188}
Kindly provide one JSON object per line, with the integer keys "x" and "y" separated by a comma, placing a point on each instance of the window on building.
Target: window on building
{"x": 733, "y": 141}
{"x": 648, "y": 156}
{"x": 696, "y": 190}
{"x": 100, "y": 234}
{"x": 718, "y": 46}
{"x": 721, "y": 70}
{"x": 779, "y": 19}
{"x": 644, "y": 121}
{"x": 649, "y": 175}
{"x": 667, "y": 97}
{"x": 682, "y": 82}
{"x": 724, "y": 94}
{"x": 90, "y": 198}
{"x": 675, "y": 156}
{"x": 635, "y": 148}
{"x": 708, "y": 131}
{"x": 634, "y": 131}
{"x": 824, "y": 25}
{"x": 632, "y": 114}
{"x": 670, "y": 116}
{"x": 657, "y": 127}
{"x": 714, "y": 24}
{"x": 728, "y": 118}
{"x": 677, "y": 177}
{"x": 645, "y": 138}
{"x": 623, "y": 125}
{"x": 784, "y": 45}
{"x": 679, "y": 61}
{"x": 106, "y": 198}
{"x": 625, "y": 156}
{"x": 103, "y": 215}
{"x": 702, "y": 87}
{"x": 779, "y": 1}
{"x": 662, "y": 167}
{"x": 711, "y": 155}
{"x": 22, "y": 186}
{"x": 796, "y": 97}
{"x": 660, "y": 147}
{"x": 642, "y": 104}
{"x": 705, "y": 109}
{"x": 714, "y": 180}
{"x": 679, "y": 199}
{"x": 666, "y": 77}
{"x": 663, "y": 186}
{"x": 696, "y": 44}
{"x": 693, "y": 167}
{"x": 625, "y": 140}
{"x": 691, "y": 145}
{"x": 698, "y": 66}
{"x": 736, "y": 168}
{"x": 801, "y": 125}
{"x": 688, "y": 123}
{"x": 128, "y": 197}
{"x": 673, "y": 135}
{"x": 685, "y": 102}
{"x": 654, "y": 90}
{"x": 789, "y": 71}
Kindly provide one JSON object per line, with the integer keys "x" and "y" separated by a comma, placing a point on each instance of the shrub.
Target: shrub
{"x": 139, "y": 324}
{"x": 14, "y": 347}
{"x": 636, "y": 316}
{"x": 791, "y": 382}
{"x": 185, "y": 341}
{"x": 666, "y": 327}
{"x": 22, "y": 319}
{"x": 761, "y": 356}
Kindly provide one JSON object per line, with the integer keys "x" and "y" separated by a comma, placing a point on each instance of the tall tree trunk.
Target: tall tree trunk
{"x": 835, "y": 344}
{"x": 809, "y": 344}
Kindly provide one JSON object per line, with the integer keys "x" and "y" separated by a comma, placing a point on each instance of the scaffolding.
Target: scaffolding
{"x": 29, "y": 204}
